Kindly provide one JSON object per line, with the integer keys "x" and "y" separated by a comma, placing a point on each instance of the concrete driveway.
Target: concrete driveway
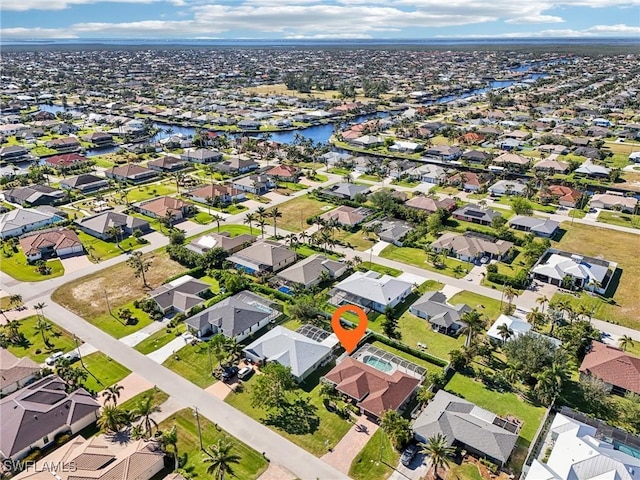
{"x": 343, "y": 454}
{"x": 75, "y": 262}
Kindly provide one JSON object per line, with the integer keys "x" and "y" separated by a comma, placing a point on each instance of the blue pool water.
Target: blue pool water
{"x": 634, "y": 452}
{"x": 377, "y": 363}
{"x": 285, "y": 289}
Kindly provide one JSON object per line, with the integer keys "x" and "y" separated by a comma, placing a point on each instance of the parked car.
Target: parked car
{"x": 53, "y": 358}
{"x": 408, "y": 454}
{"x": 245, "y": 373}
{"x": 72, "y": 356}
{"x": 228, "y": 373}
{"x": 484, "y": 260}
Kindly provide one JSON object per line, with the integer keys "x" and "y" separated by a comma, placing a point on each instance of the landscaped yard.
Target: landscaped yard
{"x": 59, "y": 339}
{"x": 234, "y": 230}
{"x": 331, "y": 428}
{"x": 87, "y": 296}
{"x": 394, "y": 272}
{"x": 486, "y": 305}
{"x": 251, "y": 465}
{"x": 357, "y": 240}
{"x": 620, "y": 247}
{"x": 416, "y": 330}
{"x": 159, "y": 339}
{"x": 192, "y": 362}
{"x": 145, "y": 192}
{"x": 102, "y": 250}
{"x": 418, "y": 258}
{"x": 158, "y": 396}
{"x": 368, "y": 464}
{"x": 620, "y": 219}
{"x": 103, "y": 371}
{"x": 17, "y": 266}
{"x": 295, "y": 213}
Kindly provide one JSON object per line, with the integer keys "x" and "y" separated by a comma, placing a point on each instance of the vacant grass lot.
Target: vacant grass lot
{"x": 103, "y": 371}
{"x": 295, "y": 213}
{"x": 394, "y": 272}
{"x": 145, "y": 192}
{"x": 368, "y": 465}
{"x": 251, "y": 465}
{"x": 17, "y": 266}
{"x": 159, "y": 339}
{"x": 192, "y": 363}
{"x": 331, "y": 427}
{"x": 358, "y": 240}
{"x": 620, "y": 219}
{"x": 615, "y": 246}
{"x": 158, "y": 396}
{"x": 418, "y": 258}
{"x": 59, "y": 339}
{"x": 102, "y": 250}
{"x": 87, "y": 296}
{"x": 486, "y": 305}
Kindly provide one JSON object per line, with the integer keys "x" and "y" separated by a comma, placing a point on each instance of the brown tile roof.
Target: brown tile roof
{"x": 374, "y": 390}
{"x": 346, "y": 215}
{"x": 160, "y": 206}
{"x": 14, "y": 369}
{"x": 430, "y": 204}
{"x": 215, "y": 190}
{"x": 613, "y": 366}
{"x": 283, "y": 171}
{"x": 65, "y": 160}
{"x": 58, "y": 239}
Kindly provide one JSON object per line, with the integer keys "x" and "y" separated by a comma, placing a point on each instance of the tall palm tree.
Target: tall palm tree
{"x": 438, "y": 451}
{"x": 475, "y": 324}
{"x": 220, "y": 459}
{"x": 275, "y": 214}
{"x": 505, "y": 332}
{"x": 144, "y": 410}
{"x": 510, "y": 293}
{"x": 217, "y": 218}
{"x": 39, "y": 308}
{"x": 43, "y": 327}
{"x": 536, "y": 318}
{"x": 261, "y": 215}
{"x": 112, "y": 418}
{"x": 114, "y": 232}
{"x": 625, "y": 342}
{"x": 171, "y": 438}
{"x": 140, "y": 266}
{"x": 15, "y": 299}
{"x": 543, "y": 300}
{"x": 112, "y": 394}
{"x": 249, "y": 218}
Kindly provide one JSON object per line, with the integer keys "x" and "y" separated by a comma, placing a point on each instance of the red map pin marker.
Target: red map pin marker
{"x": 349, "y": 338}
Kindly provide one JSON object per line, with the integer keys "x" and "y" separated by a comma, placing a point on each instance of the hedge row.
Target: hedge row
{"x": 407, "y": 349}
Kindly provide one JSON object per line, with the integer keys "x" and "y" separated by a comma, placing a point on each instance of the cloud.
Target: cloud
{"x": 32, "y": 33}
{"x": 26, "y": 5}
{"x": 595, "y": 31}
{"x": 536, "y": 19}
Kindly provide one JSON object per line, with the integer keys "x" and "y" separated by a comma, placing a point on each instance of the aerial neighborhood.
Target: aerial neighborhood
{"x": 174, "y": 247}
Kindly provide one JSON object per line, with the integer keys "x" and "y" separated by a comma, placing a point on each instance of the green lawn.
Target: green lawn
{"x": 115, "y": 327}
{"x": 368, "y": 465}
{"x": 159, "y": 397}
{"x": 103, "y": 250}
{"x": 489, "y": 306}
{"x": 406, "y": 183}
{"x": 145, "y": 192}
{"x": 17, "y": 266}
{"x": 418, "y": 258}
{"x": 103, "y": 371}
{"x": 202, "y": 218}
{"x": 503, "y": 404}
{"x": 431, "y": 367}
{"x": 414, "y": 330}
{"x": 506, "y": 200}
{"x": 466, "y": 471}
{"x": 59, "y": 339}
{"x": 159, "y": 339}
{"x": 357, "y": 240}
{"x": 577, "y": 213}
{"x": 252, "y": 464}
{"x": 234, "y": 230}
{"x": 394, "y": 272}
{"x": 331, "y": 428}
{"x": 295, "y": 213}
{"x": 620, "y": 219}
{"x": 193, "y": 364}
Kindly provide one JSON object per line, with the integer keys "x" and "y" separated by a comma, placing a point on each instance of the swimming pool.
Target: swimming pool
{"x": 626, "y": 449}
{"x": 377, "y": 363}
{"x": 285, "y": 289}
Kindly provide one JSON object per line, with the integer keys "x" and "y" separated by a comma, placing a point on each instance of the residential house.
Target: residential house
{"x": 303, "y": 351}
{"x": 180, "y": 295}
{"x": 554, "y": 149}
{"x": 35, "y": 414}
{"x": 312, "y": 270}
{"x": 516, "y": 327}
{"x": 507, "y": 187}
{"x": 570, "y": 270}
{"x": 235, "y": 317}
{"x": 258, "y": 184}
{"x": 34, "y": 195}
{"x": 347, "y": 216}
{"x": 99, "y": 139}
{"x": 285, "y": 173}
{"x": 222, "y": 240}
{"x": 589, "y": 169}
{"x": 467, "y": 426}
{"x": 444, "y": 318}
{"x": 13, "y": 153}
{"x": 614, "y": 201}
{"x": 371, "y": 291}
{"x": 222, "y": 194}
{"x": 100, "y": 224}
{"x": 391, "y": 230}
{"x": 236, "y": 165}
{"x": 619, "y": 370}
{"x": 552, "y": 166}
{"x": 263, "y": 257}
{"x": 512, "y": 160}
{"x": 15, "y": 372}
{"x": 430, "y": 205}
{"x": 406, "y": 147}
{"x": 581, "y": 451}
{"x": 367, "y": 141}
{"x": 475, "y": 156}
{"x": 64, "y": 145}
{"x": 563, "y": 195}
{"x": 345, "y": 191}
{"x": 472, "y": 247}
{"x": 468, "y": 181}
{"x": 131, "y": 173}
{"x": 428, "y": 173}
{"x": 372, "y": 390}
{"x": 474, "y": 214}
{"x": 168, "y": 164}
{"x": 446, "y": 153}
{"x": 66, "y": 162}
{"x": 201, "y": 155}
{"x": 85, "y": 183}
{"x": 542, "y": 227}
{"x": 57, "y": 243}
{"x": 161, "y": 207}
{"x": 333, "y": 158}
{"x": 24, "y": 220}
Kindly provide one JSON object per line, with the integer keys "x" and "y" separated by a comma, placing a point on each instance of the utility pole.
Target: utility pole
{"x": 106, "y": 297}
{"x": 195, "y": 414}
{"x": 75, "y": 339}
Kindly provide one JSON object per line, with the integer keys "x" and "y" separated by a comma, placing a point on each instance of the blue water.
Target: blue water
{"x": 377, "y": 363}
{"x": 634, "y": 452}
{"x": 285, "y": 289}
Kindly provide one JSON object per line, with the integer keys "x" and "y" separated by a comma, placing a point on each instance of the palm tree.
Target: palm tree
{"x": 275, "y": 214}
{"x": 249, "y": 218}
{"x": 112, "y": 393}
{"x": 39, "y": 308}
{"x": 510, "y": 293}
{"x": 114, "y": 232}
{"x": 15, "y": 299}
{"x": 112, "y": 418}
{"x": 542, "y": 301}
{"x": 261, "y": 214}
{"x": 217, "y": 218}
{"x": 505, "y": 332}
{"x": 292, "y": 240}
{"x": 209, "y": 200}
{"x": 171, "y": 438}
{"x": 536, "y": 318}
{"x": 475, "y": 324}
{"x": 220, "y": 459}
{"x": 43, "y": 326}
{"x": 438, "y": 450}
{"x": 140, "y": 266}
{"x": 233, "y": 349}
{"x": 550, "y": 382}
{"x": 144, "y": 410}
{"x": 625, "y": 342}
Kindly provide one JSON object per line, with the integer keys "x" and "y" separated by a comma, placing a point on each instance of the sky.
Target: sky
{"x": 317, "y": 19}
